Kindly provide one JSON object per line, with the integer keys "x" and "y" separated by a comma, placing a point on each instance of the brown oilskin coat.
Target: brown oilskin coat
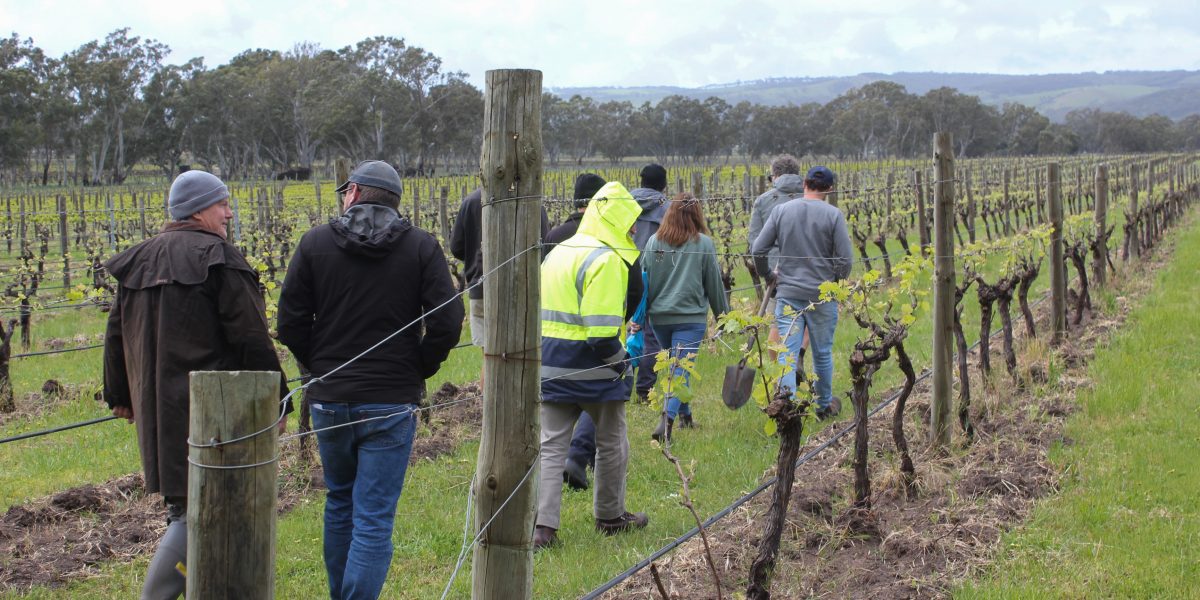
{"x": 187, "y": 301}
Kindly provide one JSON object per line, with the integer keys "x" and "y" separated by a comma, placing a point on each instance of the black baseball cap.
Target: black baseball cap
{"x": 374, "y": 173}
{"x": 821, "y": 175}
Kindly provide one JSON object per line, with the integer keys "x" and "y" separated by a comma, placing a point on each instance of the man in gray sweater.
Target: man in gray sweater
{"x": 787, "y": 185}
{"x": 814, "y": 247}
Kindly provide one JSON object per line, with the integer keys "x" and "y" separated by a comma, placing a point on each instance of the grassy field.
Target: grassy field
{"x": 728, "y": 452}
{"x": 1127, "y": 523}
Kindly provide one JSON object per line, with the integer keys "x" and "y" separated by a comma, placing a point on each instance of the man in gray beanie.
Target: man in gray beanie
{"x": 187, "y": 300}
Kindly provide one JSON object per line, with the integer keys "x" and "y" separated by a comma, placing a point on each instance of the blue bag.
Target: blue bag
{"x": 635, "y": 344}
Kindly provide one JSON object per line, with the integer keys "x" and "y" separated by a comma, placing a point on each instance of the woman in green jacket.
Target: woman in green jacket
{"x": 683, "y": 284}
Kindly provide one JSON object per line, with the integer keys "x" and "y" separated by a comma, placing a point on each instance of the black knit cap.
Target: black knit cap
{"x": 654, "y": 176}
{"x": 586, "y": 186}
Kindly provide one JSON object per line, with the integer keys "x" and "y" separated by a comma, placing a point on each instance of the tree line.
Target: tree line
{"x": 91, "y": 115}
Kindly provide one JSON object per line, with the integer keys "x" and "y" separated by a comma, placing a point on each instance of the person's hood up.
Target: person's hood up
{"x": 609, "y": 216}
{"x": 653, "y": 203}
{"x": 369, "y": 229}
{"x": 790, "y": 184}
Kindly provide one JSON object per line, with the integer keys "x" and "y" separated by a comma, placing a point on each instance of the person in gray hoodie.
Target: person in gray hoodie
{"x": 788, "y": 185}
{"x": 814, "y": 247}
{"x": 651, "y": 196}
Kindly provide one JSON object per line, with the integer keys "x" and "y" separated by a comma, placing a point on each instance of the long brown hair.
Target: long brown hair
{"x": 683, "y": 222}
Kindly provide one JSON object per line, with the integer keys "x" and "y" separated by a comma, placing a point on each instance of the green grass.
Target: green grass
{"x": 729, "y": 453}
{"x": 1127, "y": 523}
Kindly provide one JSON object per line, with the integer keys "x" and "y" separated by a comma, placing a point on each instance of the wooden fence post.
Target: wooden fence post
{"x": 341, "y": 174}
{"x": 232, "y": 488}
{"x": 1058, "y": 268}
{"x": 1006, "y": 203}
{"x": 1100, "y": 262}
{"x": 443, "y": 215}
{"x": 943, "y": 293}
{"x": 64, "y": 239}
{"x": 922, "y": 216}
{"x": 511, "y": 171}
{"x": 1133, "y": 243}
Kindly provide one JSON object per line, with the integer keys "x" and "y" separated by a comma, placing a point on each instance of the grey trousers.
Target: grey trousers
{"x": 163, "y": 579}
{"x": 612, "y": 458}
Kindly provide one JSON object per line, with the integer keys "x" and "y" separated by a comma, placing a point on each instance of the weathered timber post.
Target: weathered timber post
{"x": 1133, "y": 243}
{"x": 64, "y": 240}
{"x": 443, "y": 215}
{"x": 232, "y": 488}
{"x": 511, "y": 171}
{"x": 922, "y": 216}
{"x": 1100, "y": 260}
{"x": 141, "y": 208}
{"x": 943, "y": 291}
{"x": 697, "y": 185}
{"x": 1058, "y": 268}
{"x": 341, "y": 173}
{"x": 972, "y": 210}
{"x": 237, "y": 220}
{"x": 1008, "y": 208}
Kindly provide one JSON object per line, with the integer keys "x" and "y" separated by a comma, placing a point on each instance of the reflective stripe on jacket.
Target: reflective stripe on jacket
{"x": 584, "y": 282}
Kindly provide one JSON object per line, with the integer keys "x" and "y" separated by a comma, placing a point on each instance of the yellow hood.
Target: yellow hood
{"x": 610, "y": 215}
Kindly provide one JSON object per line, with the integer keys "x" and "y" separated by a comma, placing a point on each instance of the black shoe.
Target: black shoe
{"x": 575, "y": 475}
{"x": 662, "y": 433}
{"x": 825, "y": 413}
{"x": 686, "y": 422}
{"x": 544, "y": 537}
{"x": 624, "y": 522}
{"x": 643, "y": 397}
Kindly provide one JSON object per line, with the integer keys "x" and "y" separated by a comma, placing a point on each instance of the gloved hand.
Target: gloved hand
{"x": 621, "y": 367}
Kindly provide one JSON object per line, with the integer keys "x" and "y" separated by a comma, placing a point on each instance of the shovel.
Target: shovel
{"x": 739, "y": 378}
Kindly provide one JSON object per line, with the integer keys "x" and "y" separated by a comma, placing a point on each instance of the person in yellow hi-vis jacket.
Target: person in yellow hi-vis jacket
{"x": 584, "y": 365}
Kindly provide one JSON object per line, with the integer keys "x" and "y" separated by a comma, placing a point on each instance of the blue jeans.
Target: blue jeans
{"x": 683, "y": 340}
{"x": 364, "y": 472}
{"x": 820, "y": 321}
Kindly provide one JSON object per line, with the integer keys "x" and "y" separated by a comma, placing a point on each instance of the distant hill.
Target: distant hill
{"x": 1175, "y": 94}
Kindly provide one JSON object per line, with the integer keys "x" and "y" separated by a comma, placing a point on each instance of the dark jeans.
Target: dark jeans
{"x": 364, "y": 466}
{"x": 583, "y": 442}
{"x": 646, "y": 377}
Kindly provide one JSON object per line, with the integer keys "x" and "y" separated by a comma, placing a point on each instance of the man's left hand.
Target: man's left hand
{"x": 283, "y": 426}
{"x": 123, "y": 412}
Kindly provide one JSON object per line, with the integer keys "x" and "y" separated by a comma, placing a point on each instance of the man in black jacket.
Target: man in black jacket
{"x": 358, "y": 293}
{"x": 466, "y": 244}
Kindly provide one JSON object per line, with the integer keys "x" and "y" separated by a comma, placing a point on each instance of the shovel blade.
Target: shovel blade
{"x": 739, "y": 382}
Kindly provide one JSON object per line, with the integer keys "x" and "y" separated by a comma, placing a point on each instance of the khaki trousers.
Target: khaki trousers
{"x": 612, "y": 457}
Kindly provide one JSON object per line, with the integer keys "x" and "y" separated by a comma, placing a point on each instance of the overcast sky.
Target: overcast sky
{"x": 685, "y": 43}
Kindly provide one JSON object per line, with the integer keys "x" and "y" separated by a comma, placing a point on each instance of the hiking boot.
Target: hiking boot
{"x": 624, "y": 522}
{"x": 643, "y": 397}
{"x": 662, "y": 433}
{"x": 544, "y": 537}
{"x": 686, "y": 422}
{"x": 575, "y": 475}
{"x": 825, "y": 413}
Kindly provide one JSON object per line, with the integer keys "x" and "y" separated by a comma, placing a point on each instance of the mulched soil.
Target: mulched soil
{"x": 53, "y": 540}
{"x": 909, "y": 548}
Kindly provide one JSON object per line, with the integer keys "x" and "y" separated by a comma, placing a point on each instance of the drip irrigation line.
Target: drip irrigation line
{"x": 34, "y": 434}
{"x": 61, "y": 351}
{"x": 808, "y": 456}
